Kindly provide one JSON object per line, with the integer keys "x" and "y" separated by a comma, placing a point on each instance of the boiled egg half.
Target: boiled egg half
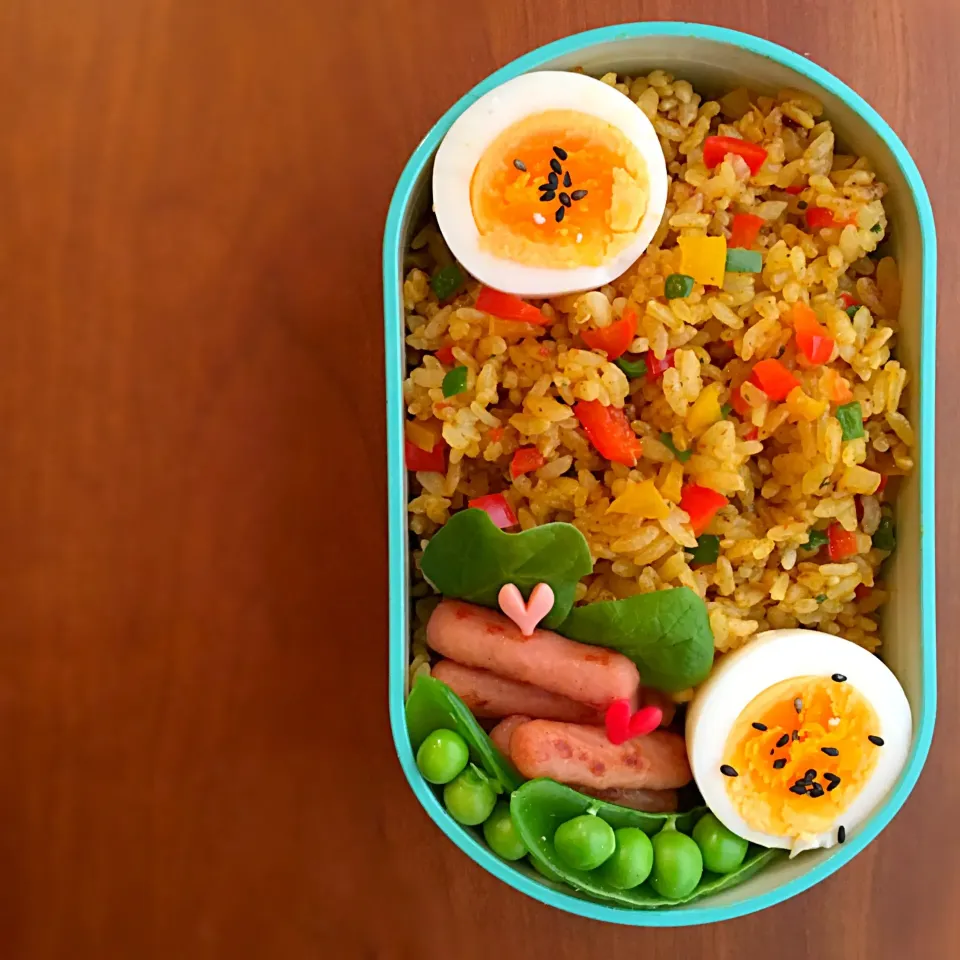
{"x": 796, "y": 738}
{"x": 551, "y": 183}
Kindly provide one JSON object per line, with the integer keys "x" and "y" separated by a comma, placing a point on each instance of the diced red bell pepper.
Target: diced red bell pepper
{"x": 445, "y": 356}
{"x": 655, "y": 367}
{"x": 614, "y": 340}
{"x": 508, "y": 307}
{"x": 751, "y": 434}
{"x": 609, "y": 431}
{"x": 496, "y": 507}
{"x": 862, "y": 591}
{"x": 744, "y": 230}
{"x": 496, "y": 434}
{"x": 431, "y": 461}
{"x": 526, "y": 460}
{"x": 774, "y": 379}
{"x": 883, "y": 483}
{"x": 819, "y": 217}
{"x": 738, "y": 403}
{"x": 795, "y": 189}
{"x": 701, "y": 505}
{"x": 841, "y": 543}
{"x": 716, "y": 148}
{"x": 813, "y": 338}
{"x": 847, "y": 299}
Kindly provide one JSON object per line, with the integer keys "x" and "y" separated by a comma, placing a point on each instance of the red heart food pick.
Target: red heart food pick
{"x": 621, "y": 726}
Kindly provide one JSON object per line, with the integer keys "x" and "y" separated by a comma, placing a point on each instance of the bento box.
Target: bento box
{"x": 712, "y": 58}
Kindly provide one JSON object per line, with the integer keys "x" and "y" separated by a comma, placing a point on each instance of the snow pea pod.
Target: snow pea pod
{"x": 540, "y": 806}
{"x": 432, "y": 705}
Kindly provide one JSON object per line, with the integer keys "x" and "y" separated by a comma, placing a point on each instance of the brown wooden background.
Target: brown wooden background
{"x": 195, "y": 761}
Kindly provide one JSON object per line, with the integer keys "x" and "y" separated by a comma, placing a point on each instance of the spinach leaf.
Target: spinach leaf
{"x": 666, "y": 634}
{"x": 470, "y": 558}
{"x": 432, "y": 705}
{"x": 540, "y": 806}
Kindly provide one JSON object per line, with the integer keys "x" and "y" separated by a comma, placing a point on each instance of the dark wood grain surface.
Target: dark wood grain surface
{"x": 195, "y": 761}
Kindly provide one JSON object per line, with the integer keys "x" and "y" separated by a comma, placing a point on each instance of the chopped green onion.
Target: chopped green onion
{"x": 447, "y": 281}
{"x": 678, "y": 285}
{"x": 851, "y": 419}
{"x": 743, "y": 261}
{"x": 455, "y": 381}
{"x": 708, "y": 549}
{"x": 818, "y": 539}
{"x": 632, "y": 368}
{"x": 852, "y": 310}
{"x": 820, "y": 597}
{"x": 725, "y": 410}
{"x": 876, "y": 228}
{"x": 682, "y": 455}
{"x": 885, "y": 537}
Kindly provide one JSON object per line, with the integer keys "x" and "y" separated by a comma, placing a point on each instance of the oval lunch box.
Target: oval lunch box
{"x": 714, "y": 60}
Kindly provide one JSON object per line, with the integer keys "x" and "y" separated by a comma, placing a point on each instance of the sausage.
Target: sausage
{"x": 502, "y": 733}
{"x": 583, "y": 756}
{"x": 654, "y": 698}
{"x": 488, "y": 695}
{"x": 650, "y": 801}
{"x": 477, "y": 637}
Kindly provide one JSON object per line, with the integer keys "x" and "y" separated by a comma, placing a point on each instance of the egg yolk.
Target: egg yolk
{"x": 559, "y": 189}
{"x": 801, "y": 753}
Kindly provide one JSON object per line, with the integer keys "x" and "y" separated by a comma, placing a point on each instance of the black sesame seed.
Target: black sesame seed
{"x": 759, "y": 726}
{"x": 816, "y": 791}
{"x": 553, "y": 181}
{"x": 798, "y": 704}
{"x": 833, "y": 780}
{"x": 520, "y": 165}
{"x": 560, "y": 152}
{"x": 841, "y": 834}
{"x": 548, "y": 196}
{"x": 558, "y": 216}
{"x": 728, "y": 771}
{"x": 779, "y": 764}
{"x": 796, "y": 735}
{"x": 810, "y": 776}
{"x": 876, "y": 741}
{"x": 838, "y": 677}
{"x": 566, "y": 179}
{"x": 833, "y": 785}
{"x": 578, "y": 194}
{"x": 771, "y": 753}
{"x": 545, "y": 186}
{"x": 799, "y": 788}
{"x": 801, "y": 204}
{"x": 830, "y": 751}
{"x": 555, "y": 166}
{"x": 565, "y": 199}
{"x": 783, "y": 741}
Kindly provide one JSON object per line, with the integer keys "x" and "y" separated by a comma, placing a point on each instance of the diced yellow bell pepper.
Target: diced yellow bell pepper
{"x": 641, "y": 500}
{"x": 424, "y": 434}
{"x": 804, "y": 407}
{"x": 671, "y": 480}
{"x": 705, "y": 411}
{"x": 703, "y": 258}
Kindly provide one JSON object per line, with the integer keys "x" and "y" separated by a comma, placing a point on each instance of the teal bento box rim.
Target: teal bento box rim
{"x": 398, "y": 625}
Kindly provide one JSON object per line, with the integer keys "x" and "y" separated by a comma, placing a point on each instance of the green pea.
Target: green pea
{"x": 585, "y": 841}
{"x": 501, "y": 835}
{"x": 677, "y": 864}
{"x": 631, "y": 862}
{"x": 678, "y": 285}
{"x": 723, "y": 851}
{"x": 470, "y": 798}
{"x": 442, "y": 756}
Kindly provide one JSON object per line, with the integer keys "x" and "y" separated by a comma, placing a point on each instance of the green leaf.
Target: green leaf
{"x": 666, "y": 439}
{"x": 885, "y": 536}
{"x": 851, "y": 311}
{"x": 816, "y": 540}
{"x": 725, "y": 410}
{"x": 455, "y": 381}
{"x": 471, "y": 559}
{"x": 432, "y": 705}
{"x": 666, "y": 634}
{"x": 677, "y": 286}
{"x": 447, "y": 281}
{"x": 708, "y": 549}
{"x": 632, "y": 368}
{"x": 540, "y": 806}
{"x": 851, "y": 420}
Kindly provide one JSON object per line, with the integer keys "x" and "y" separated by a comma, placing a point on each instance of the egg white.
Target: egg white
{"x": 770, "y": 658}
{"x": 482, "y": 122}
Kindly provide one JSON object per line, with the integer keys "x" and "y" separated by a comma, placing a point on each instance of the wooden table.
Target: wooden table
{"x": 194, "y": 754}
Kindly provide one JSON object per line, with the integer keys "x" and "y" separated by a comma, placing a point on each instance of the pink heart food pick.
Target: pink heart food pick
{"x": 526, "y": 615}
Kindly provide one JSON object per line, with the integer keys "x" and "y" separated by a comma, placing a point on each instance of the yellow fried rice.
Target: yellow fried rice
{"x": 794, "y": 472}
